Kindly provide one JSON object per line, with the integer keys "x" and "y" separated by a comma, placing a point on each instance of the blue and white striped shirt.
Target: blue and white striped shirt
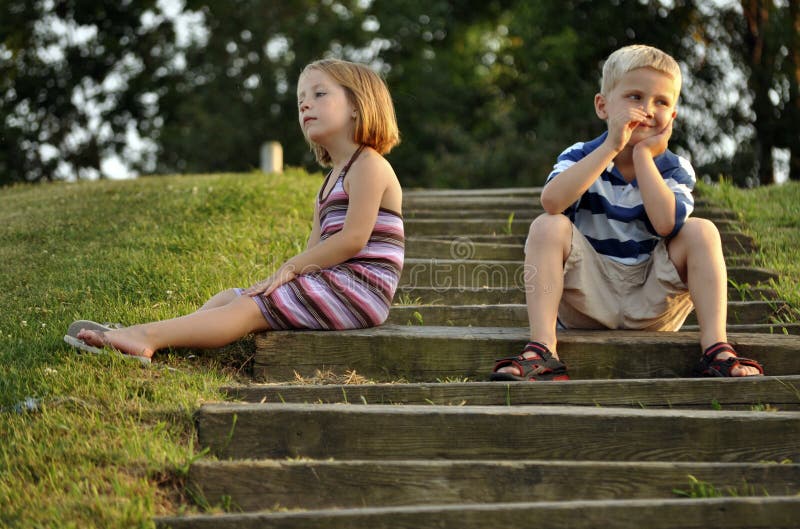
{"x": 611, "y": 214}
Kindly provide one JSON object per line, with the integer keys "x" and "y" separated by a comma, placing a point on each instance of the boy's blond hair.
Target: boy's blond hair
{"x": 375, "y": 120}
{"x": 636, "y": 56}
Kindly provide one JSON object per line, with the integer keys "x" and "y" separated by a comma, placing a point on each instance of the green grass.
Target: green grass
{"x": 112, "y": 441}
{"x": 771, "y": 215}
{"x": 702, "y": 489}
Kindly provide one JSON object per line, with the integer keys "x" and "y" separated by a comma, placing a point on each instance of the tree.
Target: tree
{"x": 761, "y": 38}
{"x": 76, "y": 78}
{"x": 789, "y": 82}
{"x": 487, "y": 92}
{"x": 239, "y": 90}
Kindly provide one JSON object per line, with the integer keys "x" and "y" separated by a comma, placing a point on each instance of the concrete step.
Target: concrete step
{"x": 572, "y": 433}
{"x": 430, "y": 353}
{"x": 458, "y": 273}
{"x": 778, "y": 512}
{"x": 256, "y": 485}
{"x": 768, "y": 392}
{"x": 516, "y": 315}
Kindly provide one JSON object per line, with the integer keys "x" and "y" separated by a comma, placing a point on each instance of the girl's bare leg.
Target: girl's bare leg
{"x": 208, "y": 328}
{"x": 220, "y": 299}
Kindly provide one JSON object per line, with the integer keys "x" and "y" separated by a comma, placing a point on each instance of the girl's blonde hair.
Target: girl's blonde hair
{"x": 636, "y": 56}
{"x": 375, "y": 120}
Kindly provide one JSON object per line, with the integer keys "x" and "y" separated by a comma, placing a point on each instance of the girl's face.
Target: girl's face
{"x": 323, "y": 108}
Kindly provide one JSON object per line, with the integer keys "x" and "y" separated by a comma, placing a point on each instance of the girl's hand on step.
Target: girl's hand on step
{"x": 283, "y": 275}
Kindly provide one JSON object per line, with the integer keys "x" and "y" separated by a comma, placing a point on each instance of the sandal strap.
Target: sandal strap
{"x": 719, "y": 347}
{"x": 710, "y": 366}
{"x": 542, "y": 363}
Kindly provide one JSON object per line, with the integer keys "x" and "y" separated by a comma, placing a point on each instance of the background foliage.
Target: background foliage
{"x": 487, "y": 92}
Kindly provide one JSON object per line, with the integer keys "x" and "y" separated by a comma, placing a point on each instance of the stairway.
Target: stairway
{"x": 628, "y": 442}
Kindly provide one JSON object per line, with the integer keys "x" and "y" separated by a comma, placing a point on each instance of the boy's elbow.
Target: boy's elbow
{"x": 549, "y": 205}
{"x": 665, "y": 229}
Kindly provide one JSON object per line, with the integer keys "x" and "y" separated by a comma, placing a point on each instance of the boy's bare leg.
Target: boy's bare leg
{"x": 546, "y": 251}
{"x": 696, "y": 253}
{"x": 207, "y": 328}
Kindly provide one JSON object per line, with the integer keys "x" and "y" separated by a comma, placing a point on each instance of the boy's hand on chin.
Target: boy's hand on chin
{"x": 621, "y": 126}
{"x": 656, "y": 145}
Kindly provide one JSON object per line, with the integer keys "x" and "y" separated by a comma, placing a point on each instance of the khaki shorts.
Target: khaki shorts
{"x": 600, "y": 293}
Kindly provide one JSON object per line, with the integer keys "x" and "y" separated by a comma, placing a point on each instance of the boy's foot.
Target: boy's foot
{"x": 720, "y": 360}
{"x": 126, "y": 341}
{"x": 535, "y": 363}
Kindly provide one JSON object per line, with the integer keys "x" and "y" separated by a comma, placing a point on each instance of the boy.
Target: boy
{"x": 615, "y": 247}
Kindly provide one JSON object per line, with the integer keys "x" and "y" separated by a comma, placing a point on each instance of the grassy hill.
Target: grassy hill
{"x": 110, "y": 442}
{"x": 771, "y": 215}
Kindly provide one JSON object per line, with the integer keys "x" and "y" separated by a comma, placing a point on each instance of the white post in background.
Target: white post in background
{"x": 271, "y": 157}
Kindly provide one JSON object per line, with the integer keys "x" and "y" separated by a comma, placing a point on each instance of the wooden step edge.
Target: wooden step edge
{"x": 431, "y": 353}
{"x": 386, "y": 432}
{"x": 509, "y": 273}
{"x": 480, "y": 193}
{"x": 781, "y": 393}
{"x": 503, "y": 207}
{"x": 761, "y": 328}
{"x": 516, "y": 315}
{"x": 482, "y": 295}
{"x": 777, "y": 512}
{"x": 738, "y": 251}
{"x": 251, "y": 485}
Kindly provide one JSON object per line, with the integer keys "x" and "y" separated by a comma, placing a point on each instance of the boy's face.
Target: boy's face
{"x": 644, "y": 89}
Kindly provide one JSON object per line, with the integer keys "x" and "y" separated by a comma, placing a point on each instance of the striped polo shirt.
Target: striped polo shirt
{"x": 611, "y": 214}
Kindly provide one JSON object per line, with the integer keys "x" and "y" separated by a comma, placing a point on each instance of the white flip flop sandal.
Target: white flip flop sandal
{"x": 76, "y": 326}
{"x": 83, "y": 346}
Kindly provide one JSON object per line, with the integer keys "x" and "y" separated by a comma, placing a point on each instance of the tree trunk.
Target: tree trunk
{"x": 757, "y": 16}
{"x": 793, "y": 115}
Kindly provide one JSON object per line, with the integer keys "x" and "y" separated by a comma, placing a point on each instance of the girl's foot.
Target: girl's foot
{"x": 127, "y": 341}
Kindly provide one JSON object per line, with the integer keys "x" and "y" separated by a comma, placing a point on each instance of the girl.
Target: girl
{"x": 347, "y": 276}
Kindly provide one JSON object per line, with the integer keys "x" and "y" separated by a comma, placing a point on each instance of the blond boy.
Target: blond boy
{"x": 615, "y": 247}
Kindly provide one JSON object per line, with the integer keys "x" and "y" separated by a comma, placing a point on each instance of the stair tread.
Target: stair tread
{"x": 426, "y": 353}
{"x": 779, "y": 392}
{"x": 387, "y": 431}
{"x": 777, "y": 512}
{"x": 316, "y": 484}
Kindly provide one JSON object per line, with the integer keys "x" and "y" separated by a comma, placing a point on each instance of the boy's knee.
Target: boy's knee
{"x": 550, "y": 227}
{"x": 549, "y": 233}
{"x": 702, "y": 230}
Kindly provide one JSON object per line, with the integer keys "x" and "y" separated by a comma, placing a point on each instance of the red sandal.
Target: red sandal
{"x": 536, "y": 368}
{"x": 709, "y": 366}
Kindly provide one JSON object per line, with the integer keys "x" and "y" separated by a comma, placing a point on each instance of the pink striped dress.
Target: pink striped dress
{"x": 352, "y": 295}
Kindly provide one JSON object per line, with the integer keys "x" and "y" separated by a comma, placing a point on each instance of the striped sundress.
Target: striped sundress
{"x": 352, "y": 295}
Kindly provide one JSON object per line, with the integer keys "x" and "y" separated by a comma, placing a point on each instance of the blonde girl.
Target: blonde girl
{"x": 348, "y": 274}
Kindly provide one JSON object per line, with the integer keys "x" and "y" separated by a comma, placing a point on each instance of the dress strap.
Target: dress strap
{"x": 352, "y": 159}
{"x": 341, "y": 174}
